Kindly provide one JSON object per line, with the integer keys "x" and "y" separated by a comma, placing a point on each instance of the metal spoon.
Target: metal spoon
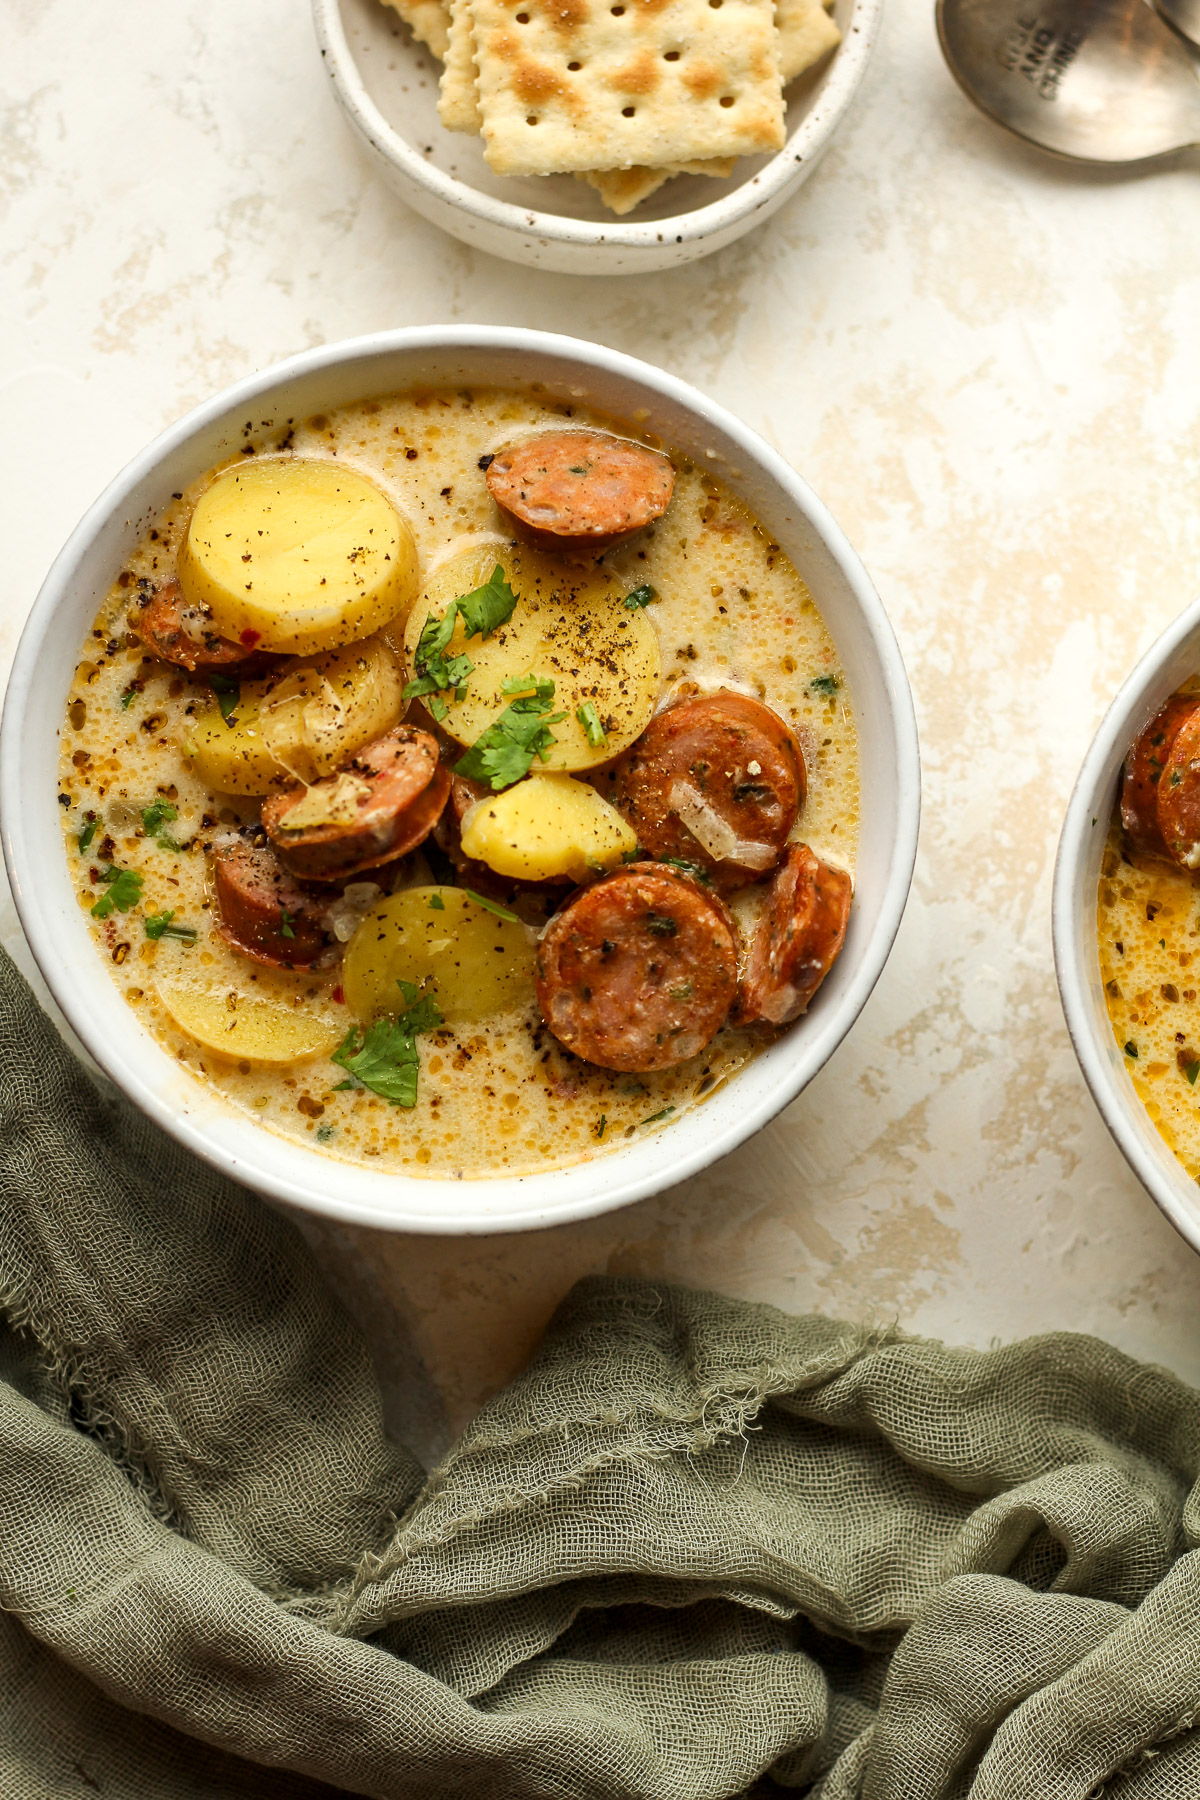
{"x": 1104, "y": 81}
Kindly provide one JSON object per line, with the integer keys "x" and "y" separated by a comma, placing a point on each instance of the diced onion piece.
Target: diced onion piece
{"x": 715, "y": 834}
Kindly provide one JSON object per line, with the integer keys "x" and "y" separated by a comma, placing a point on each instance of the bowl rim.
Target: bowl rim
{"x": 1076, "y": 953}
{"x": 763, "y": 190}
{"x": 19, "y": 824}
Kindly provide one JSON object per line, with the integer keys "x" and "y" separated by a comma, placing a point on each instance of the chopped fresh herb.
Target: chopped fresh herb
{"x": 1192, "y": 1070}
{"x": 655, "y": 1117}
{"x": 593, "y": 730}
{"x": 641, "y": 596}
{"x": 325, "y": 1132}
{"x": 384, "y": 1057}
{"x": 824, "y": 684}
{"x": 683, "y": 992}
{"x": 482, "y": 611}
{"x": 128, "y": 693}
{"x": 601, "y": 1125}
{"x": 437, "y": 904}
{"x": 696, "y": 870}
{"x": 1131, "y": 1049}
{"x": 88, "y": 833}
{"x": 158, "y": 925}
{"x": 154, "y": 817}
{"x": 286, "y": 921}
{"x": 228, "y": 693}
{"x": 661, "y": 924}
{"x": 505, "y": 751}
{"x": 124, "y": 891}
{"x": 529, "y": 683}
{"x": 501, "y": 912}
{"x": 438, "y": 707}
{"x": 488, "y": 607}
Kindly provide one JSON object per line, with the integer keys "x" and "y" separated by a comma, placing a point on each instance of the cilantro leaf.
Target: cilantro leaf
{"x": 124, "y": 891}
{"x": 593, "y": 730}
{"x": 154, "y": 817}
{"x": 505, "y": 751}
{"x": 655, "y": 1117}
{"x": 228, "y": 693}
{"x": 481, "y": 611}
{"x": 88, "y": 833}
{"x": 127, "y": 694}
{"x": 384, "y": 1057}
{"x": 696, "y": 870}
{"x": 286, "y": 921}
{"x": 824, "y": 684}
{"x": 486, "y": 608}
{"x": 158, "y": 925}
{"x": 436, "y": 903}
{"x": 641, "y": 596}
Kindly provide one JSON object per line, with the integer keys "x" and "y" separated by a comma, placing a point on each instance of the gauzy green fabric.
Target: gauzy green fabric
{"x": 698, "y": 1547}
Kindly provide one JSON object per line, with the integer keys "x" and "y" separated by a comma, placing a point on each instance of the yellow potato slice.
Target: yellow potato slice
{"x": 255, "y": 1014}
{"x": 299, "y": 724}
{"x": 545, "y": 826}
{"x": 568, "y": 625}
{"x": 475, "y": 963}
{"x": 297, "y": 554}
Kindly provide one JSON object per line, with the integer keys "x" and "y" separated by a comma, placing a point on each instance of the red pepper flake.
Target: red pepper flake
{"x": 339, "y": 996}
{"x": 250, "y": 638}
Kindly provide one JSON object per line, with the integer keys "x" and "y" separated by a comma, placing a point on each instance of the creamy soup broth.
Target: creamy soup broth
{"x": 501, "y": 1096}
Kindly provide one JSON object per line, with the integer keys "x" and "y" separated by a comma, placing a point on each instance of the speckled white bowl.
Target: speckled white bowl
{"x": 386, "y": 84}
{"x": 455, "y": 357}
{"x": 1173, "y": 657}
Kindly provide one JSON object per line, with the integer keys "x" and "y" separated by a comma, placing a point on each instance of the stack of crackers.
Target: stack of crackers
{"x": 622, "y": 93}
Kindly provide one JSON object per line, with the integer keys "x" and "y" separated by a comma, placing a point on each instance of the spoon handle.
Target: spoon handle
{"x": 1184, "y": 15}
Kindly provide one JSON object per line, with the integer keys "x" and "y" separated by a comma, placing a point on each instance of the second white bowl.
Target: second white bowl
{"x": 1173, "y": 657}
{"x": 386, "y": 84}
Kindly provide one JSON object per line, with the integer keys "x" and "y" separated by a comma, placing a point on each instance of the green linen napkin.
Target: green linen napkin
{"x": 698, "y": 1546}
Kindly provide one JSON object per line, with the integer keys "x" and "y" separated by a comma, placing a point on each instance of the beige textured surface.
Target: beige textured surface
{"x": 586, "y": 86}
{"x": 985, "y": 362}
{"x": 429, "y": 19}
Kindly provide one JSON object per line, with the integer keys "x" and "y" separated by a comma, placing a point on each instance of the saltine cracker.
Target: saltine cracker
{"x": 581, "y": 85}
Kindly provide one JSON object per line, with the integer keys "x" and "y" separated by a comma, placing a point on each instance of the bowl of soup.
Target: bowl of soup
{"x": 459, "y": 780}
{"x": 1127, "y": 921}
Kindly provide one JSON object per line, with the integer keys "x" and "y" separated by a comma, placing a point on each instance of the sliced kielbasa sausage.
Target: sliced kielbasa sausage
{"x": 588, "y": 487}
{"x": 1179, "y": 793}
{"x": 382, "y": 804}
{"x": 638, "y": 971}
{"x": 185, "y": 635}
{"x": 1143, "y": 775}
{"x": 797, "y": 939}
{"x": 716, "y": 781}
{"x": 263, "y": 912}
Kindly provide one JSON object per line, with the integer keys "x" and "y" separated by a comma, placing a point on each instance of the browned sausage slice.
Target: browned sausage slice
{"x": 184, "y": 635}
{"x": 264, "y": 914}
{"x": 382, "y": 804}
{"x": 638, "y": 971}
{"x": 581, "y": 486}
{"x": 1143, "y": 772}
{"x": 716, "y": 781}
{"x": 797, "y": 939}
{"x": 1179, "y": 793}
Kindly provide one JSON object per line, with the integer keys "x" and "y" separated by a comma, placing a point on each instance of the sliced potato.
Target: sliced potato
{"x": 475, "y": 963}
{"x": 299, "y": 724}
{"x": 545, "y": 826}
{"x": 257, "y": 1014}
{"x": 569, "y": 624}
{"x": 297, "y": 554}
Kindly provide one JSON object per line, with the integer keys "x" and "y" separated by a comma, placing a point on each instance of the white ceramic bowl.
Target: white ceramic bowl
{"x": 339, "y": 373}
{"x": 386, "y": 84}
{"x": 1175, "y": 655}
